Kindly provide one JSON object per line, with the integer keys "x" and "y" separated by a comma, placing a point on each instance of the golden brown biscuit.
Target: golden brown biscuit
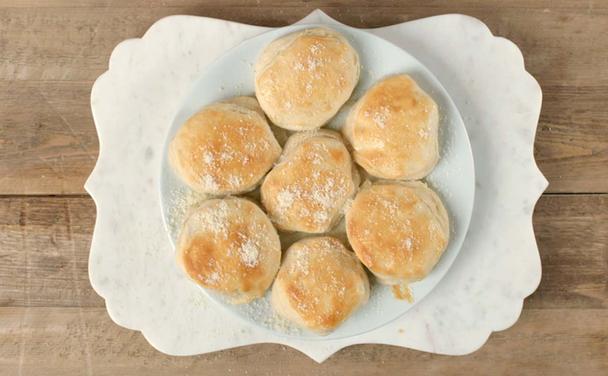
{"x": 230, "y": 246}
{"x": 307, "y": 189}
{"x": 302, "y": 79}
{"x": 398, "y": 230}
{"x": 393, "y": 130}
{"x": 319, "y": 285}
{"x": 225, "y": 148}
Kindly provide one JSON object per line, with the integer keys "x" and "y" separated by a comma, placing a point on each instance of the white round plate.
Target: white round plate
{"x": 453, "y": 178}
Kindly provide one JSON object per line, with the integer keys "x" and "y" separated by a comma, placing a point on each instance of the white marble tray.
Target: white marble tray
{"x": 131, "y": 264}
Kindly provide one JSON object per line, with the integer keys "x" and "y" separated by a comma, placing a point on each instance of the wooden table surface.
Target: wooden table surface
{"x": 53, "y": 323}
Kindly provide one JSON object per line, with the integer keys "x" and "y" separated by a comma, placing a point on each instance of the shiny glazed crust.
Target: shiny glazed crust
{"x": 398, "y": 230}
{"x": 230, "y": 246}
{"x": 225, "y": 148}
{"x": 308, "y": 188}
{"x": 319, "y": 285}
{"x": 304, "y": 78}
{"x": 393, "y": 130}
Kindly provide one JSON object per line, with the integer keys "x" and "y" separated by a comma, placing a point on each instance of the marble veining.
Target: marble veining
{"x": 131, "y": 261}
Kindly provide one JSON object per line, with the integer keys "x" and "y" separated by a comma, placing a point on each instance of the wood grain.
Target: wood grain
{"x": 48, "y": 142}
{"x": 591, "y": 6}
{"x": 43, "y": 258}
{"x": 44, "y": 246}
{"x": 72, "y": 341}
{"x": 44, "y": 251}
{"x": 572, "y": 236}
{"x": 52, "y": 53}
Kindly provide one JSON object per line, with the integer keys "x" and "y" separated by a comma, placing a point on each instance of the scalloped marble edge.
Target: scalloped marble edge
{"x": 93, "y": 185}
{"x": 321, "y": 351}
{"x": 541, "y": 182}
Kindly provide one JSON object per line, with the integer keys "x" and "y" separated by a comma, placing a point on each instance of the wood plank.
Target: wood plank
{"x": 44, "y": 245}
{"x": 44, "y": 251}
{"x": 571, "y": 146}
{"x": 48, "y": 143}
{"x": 52, "y": 147}
{"x": 60, "y": 341}
{"x": 593, "y": 5}
{"x": 572, "y": 236}
{"x": 75, "y": 43}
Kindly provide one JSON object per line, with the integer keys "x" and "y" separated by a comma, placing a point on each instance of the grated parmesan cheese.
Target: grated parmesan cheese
{"x": 209, "y": 182}
{"x": 249, "y": 253}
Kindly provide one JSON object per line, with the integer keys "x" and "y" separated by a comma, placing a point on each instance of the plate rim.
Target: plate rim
{"x": 278, "y": 32}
